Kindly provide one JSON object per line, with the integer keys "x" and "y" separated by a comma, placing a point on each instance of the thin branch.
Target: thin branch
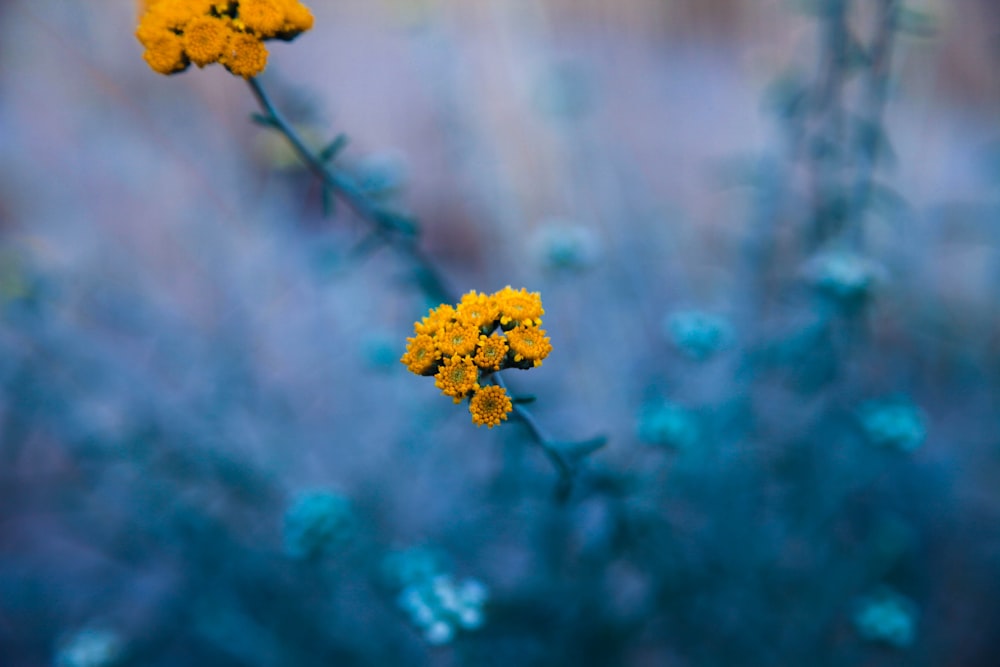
{"x": 546, "y": 444}
{"x": 385, "y": 224}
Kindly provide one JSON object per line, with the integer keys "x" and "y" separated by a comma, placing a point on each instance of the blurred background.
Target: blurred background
{"x": 765, "y": 235}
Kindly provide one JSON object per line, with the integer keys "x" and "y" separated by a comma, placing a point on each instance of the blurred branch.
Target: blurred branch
{"x": 824, "y": 150}
{"x": 876, "y": 95}
{"x": 837, "y": 129}
{"x": 402, "y": 234}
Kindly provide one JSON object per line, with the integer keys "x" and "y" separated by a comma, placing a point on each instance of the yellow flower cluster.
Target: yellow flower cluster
{"x": 462, "y": 345}
{"x": 177, "y": 33}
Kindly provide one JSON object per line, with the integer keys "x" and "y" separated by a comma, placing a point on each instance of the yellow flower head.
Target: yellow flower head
{"x": 457, "y": 377}
{"x": 478, "y": 309}
{"x": 231, "y": 32}
{"x": 175, "y": 14}
{"x": 264, "y": 17}
{"x": 461, "y": 345}
{"x": 206, "y": 38}
{"x": 457, "y": 338}
{"x": 520, "y": 306}
{"x": 421, "y": 354}
{"x": 529, "y": 344}
{"x": 298, "y": 19}
{"x": 165, "y": 53}
{"x": 491, "y": 352}
{"x": 490, "y": 406}
{"x": 245, "y": 55}
{"x": 436, "y": 320}
{"x": 150, "y": 28}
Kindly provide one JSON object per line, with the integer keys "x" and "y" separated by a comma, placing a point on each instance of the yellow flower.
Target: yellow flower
{"x": 460, "y": 345}
{"x": 529, "y": 344}
{"x": 421, "y": 354}
{"x": 175, "y": 14}
{"x": 457, "y": 377}
{"x": 245, "y": 55}
{"x": 457, "y": 338}
{"x": 519, "y": 306}
{"x": 491, "y": 352}
{"x": 264, "y": 17}
{"x": 205, "y": 39}
{"x": 165, "y": 53}
{"x": 436, "y": 320}
{"x": 478, "y": 309}
{"x": 230, "y": 32}
{"x": 490, "y": 406}
{"x": 298, "y": 19}
{"x": 150, "y": 28}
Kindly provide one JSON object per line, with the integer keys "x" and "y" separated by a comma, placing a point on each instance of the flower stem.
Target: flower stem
{"x": 386, "y": 226}
{"x": 547, "y": 445}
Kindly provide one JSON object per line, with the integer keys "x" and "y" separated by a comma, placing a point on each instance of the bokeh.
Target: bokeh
{"x": 766, "y": 238}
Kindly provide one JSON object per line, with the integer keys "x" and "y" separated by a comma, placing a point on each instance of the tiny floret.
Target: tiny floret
{"x": 245, "y": 55}
{"x": 457, "y": 377}
{"x": 264, "y": 17}
{"x": 165, "y": 53}
{"x": 529, "y": 344}
{"x": 457, "y": 338}
{"x": 435, "y": 320}
{"x": 479, "y": 310}
{"x": 491, "y": 352}
{"x": 421, "y": 355}
{"x": 152, "y": 28}
{"x": 205, "y": 39}
{"x": 175, "y": 14}
{"x": 298, "y": 19}
{"x": 519, "y": 306}
{"x": 490, "y": 406}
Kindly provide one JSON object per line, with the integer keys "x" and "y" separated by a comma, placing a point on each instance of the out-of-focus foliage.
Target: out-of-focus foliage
{"x": 318, "y": 522}
{"x": 888, "y": 617}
